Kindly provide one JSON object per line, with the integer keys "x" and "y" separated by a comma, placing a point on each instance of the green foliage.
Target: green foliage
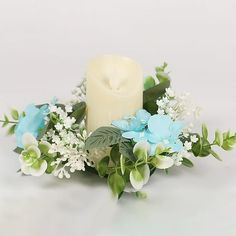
{"x": 11, "y": 130}
{"x": 149, "y": 82}
{"x": 15, "y": 114}
{"x": 103, "y": 137}
{"x": 126, "y": 149}
{"x": 154, "y": 91}
{"x": 151, "y": 95}
{"x": 141, "y": 195}
{"x": 203, "y": 147}
{"x": 116, "y": 183}
{"x": 18, "y": 150}
{"x": 102, "y": 166}
{"x": 161, "y": 75}
{"x": 115, "y": 154}
{"x": 186, "y": 162}
{"x": 79, "y": 111}
{"x": 11, "y": 124}
{"x": 204, "y": 131}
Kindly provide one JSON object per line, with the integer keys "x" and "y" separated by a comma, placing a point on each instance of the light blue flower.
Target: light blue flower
{"x": 31, "y": 122}
{"x": 134, "y": 126}
{"x": 166, "y": 131}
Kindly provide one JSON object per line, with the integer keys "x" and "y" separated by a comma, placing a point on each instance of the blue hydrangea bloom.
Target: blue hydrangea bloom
{"x": 166, "y": 131}
{"x": 133, "y": 126}
{"x": 31, "y": 122}
{"x": 156, "y": 129}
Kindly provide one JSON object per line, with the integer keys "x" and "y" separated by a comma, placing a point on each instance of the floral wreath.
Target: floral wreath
{"x": 53, "y": 138}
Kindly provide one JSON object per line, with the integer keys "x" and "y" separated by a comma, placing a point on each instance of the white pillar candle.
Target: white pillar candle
{"x": 114, "y": 90}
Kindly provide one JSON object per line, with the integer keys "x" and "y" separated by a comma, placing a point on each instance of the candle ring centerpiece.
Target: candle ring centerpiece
{"x": 119, "y": 126}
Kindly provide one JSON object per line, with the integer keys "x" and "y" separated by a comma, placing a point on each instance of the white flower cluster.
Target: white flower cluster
{"x": 79, "y": 93}
{"x": 178, "y": 157}
{"x": 177, "y": 107}
{"x": 67, "y": 143}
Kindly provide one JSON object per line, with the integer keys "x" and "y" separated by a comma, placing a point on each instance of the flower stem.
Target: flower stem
{"x": 9, "y": 122}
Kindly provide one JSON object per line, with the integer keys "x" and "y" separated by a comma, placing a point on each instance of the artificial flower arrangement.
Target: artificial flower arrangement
{"x": 53, "y": 138}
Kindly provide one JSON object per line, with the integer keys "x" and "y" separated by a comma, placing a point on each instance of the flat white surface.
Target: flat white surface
{"x": 44, "y": 47}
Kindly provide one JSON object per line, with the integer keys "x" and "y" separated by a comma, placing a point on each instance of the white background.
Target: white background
{"x": 44, "y": 48}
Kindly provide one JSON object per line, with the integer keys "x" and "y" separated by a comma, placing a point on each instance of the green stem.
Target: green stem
{"x": 9, "y": 122}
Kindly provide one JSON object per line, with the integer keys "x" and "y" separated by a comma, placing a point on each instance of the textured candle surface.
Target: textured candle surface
{"x": 114, "y": 89}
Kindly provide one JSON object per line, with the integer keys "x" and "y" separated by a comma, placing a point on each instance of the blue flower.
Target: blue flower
{"x": 166, "y": 131}
{"x": 31, "y": 122}
{"x": 156, "y": 129}
{"x": 133, "y": 123}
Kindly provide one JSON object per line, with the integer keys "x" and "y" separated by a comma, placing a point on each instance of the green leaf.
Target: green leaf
{"x": 15, "y": 114}
{"x": 186, "y": 162}
{"x": 6, "y": 119}
{"x": 232, "y": 140}
{"x": 43, "y": 131}
{"x": 18, "y": 150}
{"x": 79, "y": 111}
{"x": 116, "y": 184}
{"x": 214, "y": 154}
{"x": 115, "y": 154}
{"x": 197, "y": 147}
{"x": 141, "y": 195}
{"x": 206, "y": 147}
{"x": 103, "y": 137}
{"x": 149, "y": 82}
{"x": 219, "y": 138}
{"x": 102, "y": 166}
{"x": 204, "y": 131}
{"x": 126, "y": 149}
{"x": 161, "y": 75}
{"x": 152, "y": 94}
{"x": 122, "y": 164}
{"x": 11, "y": 130}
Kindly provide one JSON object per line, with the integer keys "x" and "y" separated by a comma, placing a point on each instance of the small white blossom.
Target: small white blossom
{"x": 68, "y": 122}
{"x": 170, "y": 92}
{"x": 59, "y": 127}
{"x": 68, "y": 108}
{"x": 188, "y": 145}
{"x": 194, "y": 138}
{"x": 161, "y": 112}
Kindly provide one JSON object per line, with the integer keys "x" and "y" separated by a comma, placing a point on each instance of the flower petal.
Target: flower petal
{"x": 160, "y": 124}
{"x": 29, "y": 140}
{"x": 44, "y": 147}
{"x": 25, "y": 169}
{"x": 143, "y": 116}
{"x": 34, "y": 152}
{"x": 40, "y": 171}
{"x": 121, "y": 124}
